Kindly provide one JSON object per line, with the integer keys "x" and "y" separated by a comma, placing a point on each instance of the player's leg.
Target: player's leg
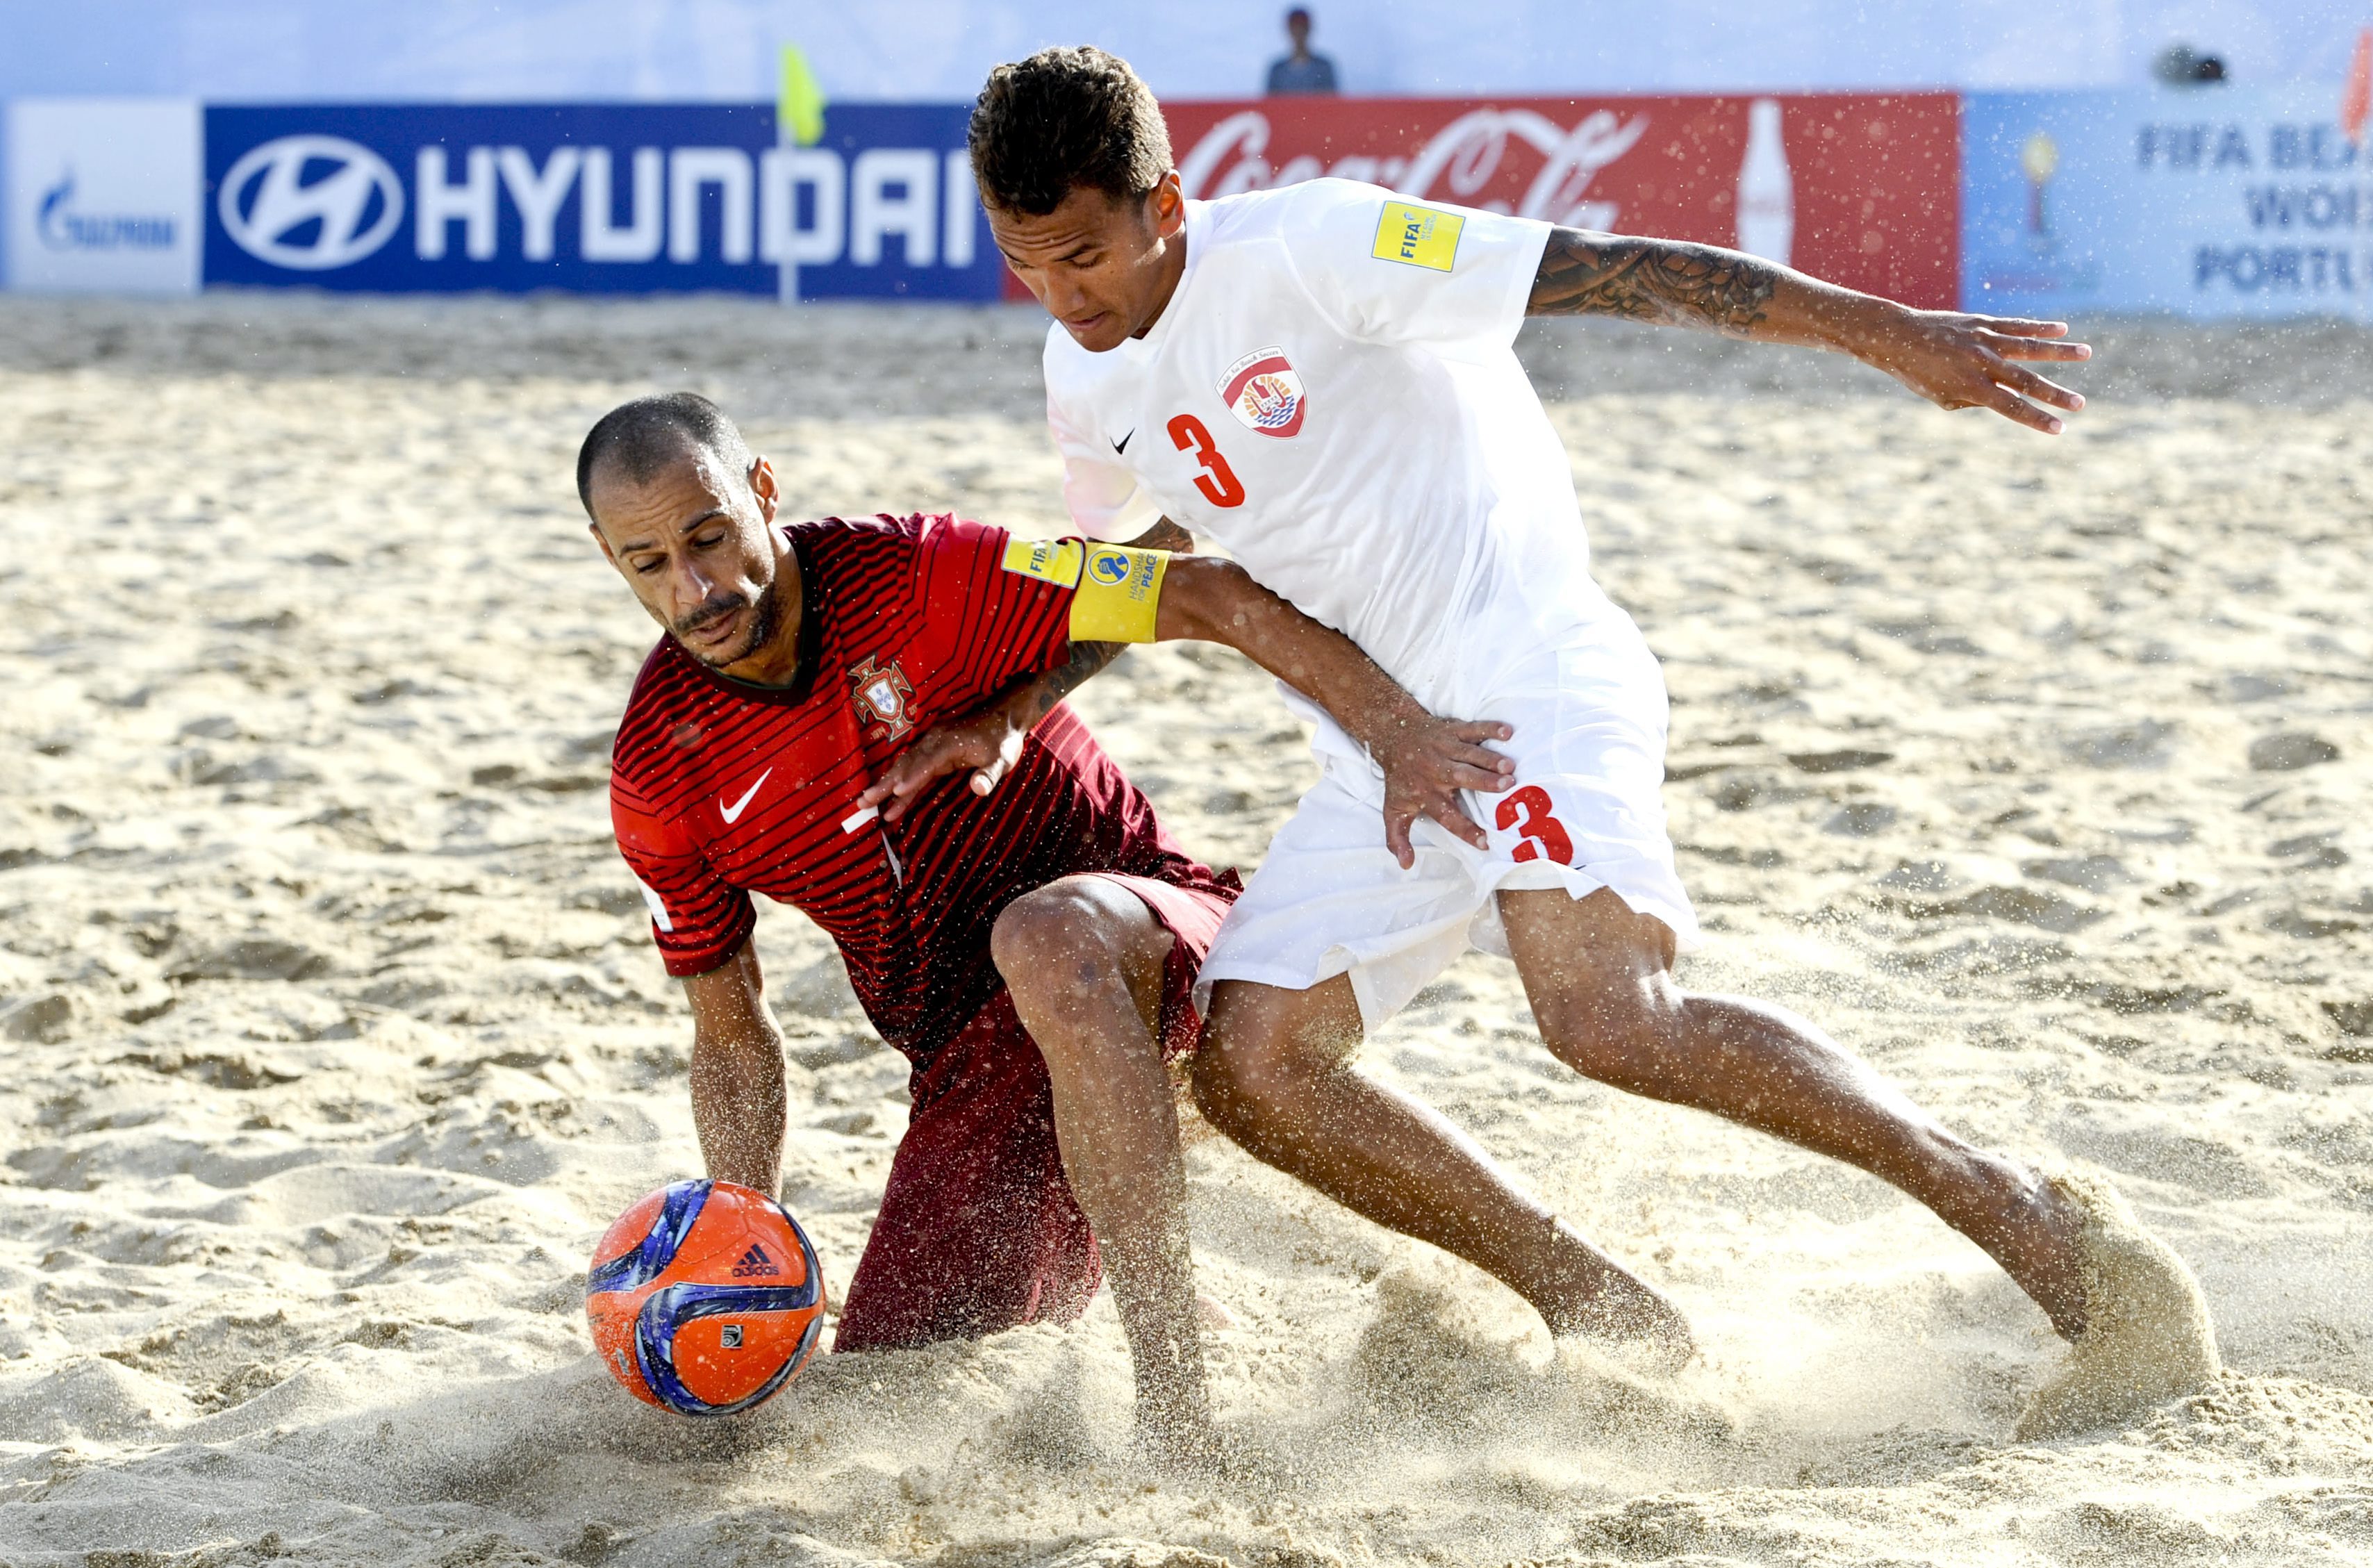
{"x": 1599, "y": 978}
{"x": 1084, "y": 959}
{"x": 978, "y": 1230}
{"x": 1274, "y": 1073}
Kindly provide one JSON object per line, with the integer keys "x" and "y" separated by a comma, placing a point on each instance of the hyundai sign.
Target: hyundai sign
{"x": 593, "y": 198}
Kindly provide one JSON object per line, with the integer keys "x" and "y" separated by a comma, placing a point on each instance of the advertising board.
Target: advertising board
{"x": 1859, "y": 188}
{"x": 102, "y": 196}
{"x": 2209, "y": 202}
{"x": 910, "y": 224}
{"x": 595, "y": 198}
{"x": 2204, "y": 203}
{"x": 407, "y": 197}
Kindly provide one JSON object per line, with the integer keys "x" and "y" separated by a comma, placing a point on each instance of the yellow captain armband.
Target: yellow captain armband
{"x": 1120, "y": 590}
{"x": 1048, "y": 560}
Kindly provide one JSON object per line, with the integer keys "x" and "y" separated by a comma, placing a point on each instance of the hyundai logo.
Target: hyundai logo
{"x": 347, "y": 208}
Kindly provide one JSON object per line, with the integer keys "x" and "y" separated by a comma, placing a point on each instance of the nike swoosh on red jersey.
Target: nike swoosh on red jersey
{"x": 733, "y": 813}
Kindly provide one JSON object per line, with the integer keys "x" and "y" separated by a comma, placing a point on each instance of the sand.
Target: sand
{"x": 331, "y": 1036}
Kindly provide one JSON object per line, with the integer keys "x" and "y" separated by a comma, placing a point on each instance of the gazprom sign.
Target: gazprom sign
{"x": 612, "y": 198}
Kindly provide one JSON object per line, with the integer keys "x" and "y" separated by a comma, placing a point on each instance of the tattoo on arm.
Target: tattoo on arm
{"x": 1037, "y": 697}
{"x": 1665, "y": 281}
{"x": 1165, "y": 535}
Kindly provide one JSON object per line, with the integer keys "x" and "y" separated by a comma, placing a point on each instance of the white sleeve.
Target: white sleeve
{"x": 1391, "y": 269}
{"x": 1103, "y": 498}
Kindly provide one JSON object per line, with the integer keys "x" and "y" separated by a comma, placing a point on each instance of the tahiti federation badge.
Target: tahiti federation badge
{"x": 1264, "y": 392}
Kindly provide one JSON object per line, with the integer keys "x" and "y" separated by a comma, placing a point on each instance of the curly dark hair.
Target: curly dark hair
{"x": 1063, "y": 117}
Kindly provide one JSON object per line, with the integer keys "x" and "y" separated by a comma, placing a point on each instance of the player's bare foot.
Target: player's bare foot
{"x": 1623, "y": 1311}
{"x": 2036, "y": 1232}
{"x": 1580, "y": 1292}
{"x": 2149, "y": 1335}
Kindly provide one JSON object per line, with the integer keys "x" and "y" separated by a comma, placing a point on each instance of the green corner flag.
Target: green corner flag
{"x": 800, "y": 110}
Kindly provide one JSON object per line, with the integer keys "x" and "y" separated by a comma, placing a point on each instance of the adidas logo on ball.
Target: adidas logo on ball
{"x": 755, "y": 1264}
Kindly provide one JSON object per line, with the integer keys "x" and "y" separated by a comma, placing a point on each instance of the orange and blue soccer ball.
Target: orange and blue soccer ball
{"x": 705, "y": 1298}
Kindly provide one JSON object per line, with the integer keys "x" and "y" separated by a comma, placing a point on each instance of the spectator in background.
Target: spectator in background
{"x": 1302, "y": 71}
{"x": 2179, "y": 65}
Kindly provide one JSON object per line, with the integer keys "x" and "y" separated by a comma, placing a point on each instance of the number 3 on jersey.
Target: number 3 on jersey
{"x": 1217, "y": 481}
{"x": 1544, "y": 837}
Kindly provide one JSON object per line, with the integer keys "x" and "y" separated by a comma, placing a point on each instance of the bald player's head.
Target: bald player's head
{"x": 683, "y": 509}
{"x": 642, "y": 438}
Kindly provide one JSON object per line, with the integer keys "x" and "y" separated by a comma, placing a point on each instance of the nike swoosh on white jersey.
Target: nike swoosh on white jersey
{"x": 733, "y": 813}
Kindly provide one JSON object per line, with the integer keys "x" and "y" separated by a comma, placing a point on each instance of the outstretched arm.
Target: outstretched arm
{"x": 1426, "y": 760}
{"x": 1953, "y": 359}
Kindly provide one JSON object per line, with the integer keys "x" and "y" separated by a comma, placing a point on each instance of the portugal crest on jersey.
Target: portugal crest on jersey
{"x": 1264, "y": 392}
{"x": 881, "y": 696}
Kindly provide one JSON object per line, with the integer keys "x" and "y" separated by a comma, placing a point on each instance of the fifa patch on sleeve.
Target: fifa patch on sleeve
{"x": 1119, "y": 594}
{"x": 1048, "y": 560}
{"x": 1418, "y": 237}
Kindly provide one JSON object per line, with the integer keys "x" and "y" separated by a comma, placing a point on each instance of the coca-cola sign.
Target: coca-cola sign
{"x": 1463, "y": 162}
{"x": 1862, "y": 188}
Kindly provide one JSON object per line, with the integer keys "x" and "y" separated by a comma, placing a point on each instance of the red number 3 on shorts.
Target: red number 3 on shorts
{"x": 1527, "y": 810}
{"x": 1217, "y": 481}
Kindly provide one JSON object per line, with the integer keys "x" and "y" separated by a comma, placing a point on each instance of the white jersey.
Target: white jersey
{"x": 1332, "y": 395}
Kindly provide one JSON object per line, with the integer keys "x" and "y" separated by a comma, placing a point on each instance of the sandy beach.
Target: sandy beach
{"x": 331, "y": 1033}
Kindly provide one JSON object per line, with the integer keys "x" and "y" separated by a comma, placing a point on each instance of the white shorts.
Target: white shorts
{"x": 1587, "y": 705}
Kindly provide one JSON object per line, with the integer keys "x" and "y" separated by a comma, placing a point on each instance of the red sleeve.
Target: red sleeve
{"x": 697, "y": 918}
{"x": 985, "y": 624}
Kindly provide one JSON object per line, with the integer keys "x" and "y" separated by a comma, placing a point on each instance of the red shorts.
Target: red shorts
{"x": 979, "y": 1230}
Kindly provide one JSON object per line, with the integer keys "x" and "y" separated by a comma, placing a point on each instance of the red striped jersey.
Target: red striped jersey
{"x": 719, "y": 789}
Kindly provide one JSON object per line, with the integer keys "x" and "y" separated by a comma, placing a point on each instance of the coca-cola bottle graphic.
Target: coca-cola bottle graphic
{"x": 2039, "y": 159}
{"x": 2357, "y": 98}
{"x": 1767, "y": 192}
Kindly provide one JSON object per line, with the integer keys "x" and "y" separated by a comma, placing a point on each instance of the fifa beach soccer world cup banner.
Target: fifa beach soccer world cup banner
{"x": 1862, "y": 188}
{"x": 2203, "y": 203}
{"x": 592, "y": 198}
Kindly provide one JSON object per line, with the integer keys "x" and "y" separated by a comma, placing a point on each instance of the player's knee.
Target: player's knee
{"x": 1052, "y": 939}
